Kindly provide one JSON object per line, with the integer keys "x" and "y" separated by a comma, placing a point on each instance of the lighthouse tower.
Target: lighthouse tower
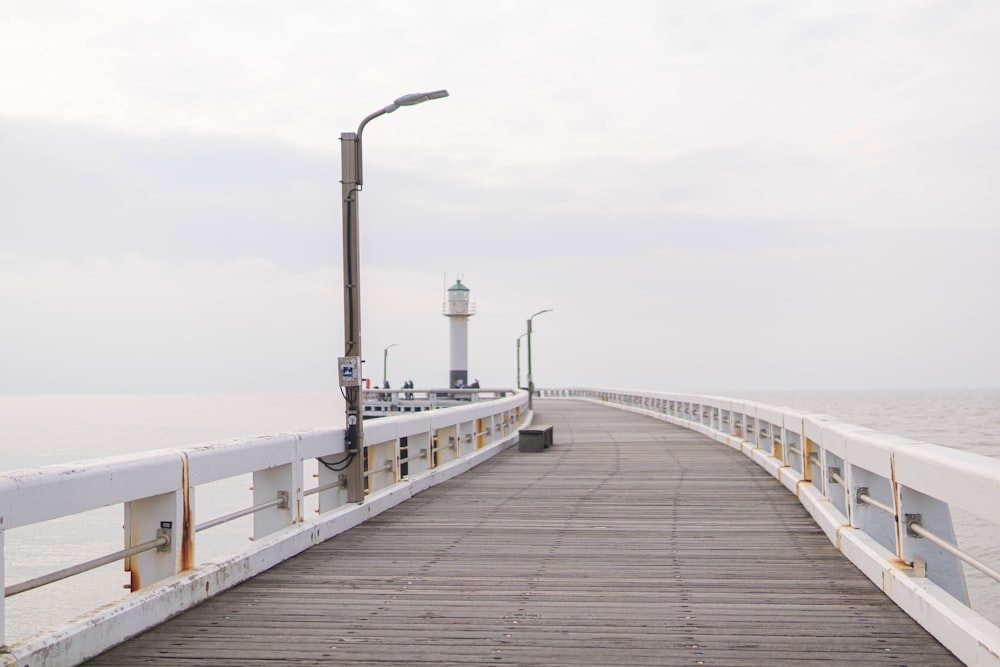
{"x": 458, "y": 310}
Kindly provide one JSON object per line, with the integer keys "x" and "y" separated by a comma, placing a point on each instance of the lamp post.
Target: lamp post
{"x": 519, "y": 359}
{"x": 531, "y": 381}
{"x": 350, "y": 364}
{"x": 385, "y": 364}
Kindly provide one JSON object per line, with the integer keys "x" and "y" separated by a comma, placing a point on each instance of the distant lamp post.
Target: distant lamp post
{"x": 519, "y": 359}
{"x": 385, "y": 363}
{"x": 350, "y": 364}
{"x": 531, "y": 381}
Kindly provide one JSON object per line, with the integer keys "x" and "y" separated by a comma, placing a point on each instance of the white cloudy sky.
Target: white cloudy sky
{"x": 710, "y": 194}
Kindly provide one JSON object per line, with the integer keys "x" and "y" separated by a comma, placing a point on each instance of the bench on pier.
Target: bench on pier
{"x": 534, "y": 438}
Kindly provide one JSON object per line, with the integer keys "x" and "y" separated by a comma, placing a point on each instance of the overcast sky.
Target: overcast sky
{"x": 710, "y": 195}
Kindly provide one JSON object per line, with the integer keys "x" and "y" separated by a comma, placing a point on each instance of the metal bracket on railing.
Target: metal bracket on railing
{"x": 832, "y": 474}
{"x": 859, "y": 495}
{"x": 283, "y": 500}
{"x": 165, "y": 530}
{"x": 919, "y": 568}
{"x": 912, "y": 519}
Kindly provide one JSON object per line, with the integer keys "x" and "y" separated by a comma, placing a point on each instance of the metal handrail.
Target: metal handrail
{"x": 915, "y": 527}
{"x": 280, "y": 501}
{"x": 387, "y": 466}
{"x": 421, "y": 455}
{"x": 80, "y": 568}
{"x": 339, "y": 484}
{"x": 865, "y": 499}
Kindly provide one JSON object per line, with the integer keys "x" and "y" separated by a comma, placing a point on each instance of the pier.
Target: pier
{"x": 630, "y": 541}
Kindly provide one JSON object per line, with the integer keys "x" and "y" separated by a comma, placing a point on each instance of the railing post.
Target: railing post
{"x": 147, "y": 519}
{"x": 942, "y": 568}
{"x": 382, "y": 455}
{"x": 465, "y": 435}
{"x": 284, "y": 481}
{"x": 448, "y": 444}
{"x": 418, "y": 447}
{"x": 335, "y": 496}
{"x": 880, "y": 526}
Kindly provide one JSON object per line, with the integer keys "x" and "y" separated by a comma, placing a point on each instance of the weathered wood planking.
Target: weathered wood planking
{"x": 629, "y": 542}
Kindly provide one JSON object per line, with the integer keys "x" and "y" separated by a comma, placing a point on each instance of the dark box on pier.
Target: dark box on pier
{"x": 534, "y": 438}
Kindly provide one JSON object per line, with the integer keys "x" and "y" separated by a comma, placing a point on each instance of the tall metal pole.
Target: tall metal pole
{"x": 531, "y": 380}
{"x": 350, "y": 364}
{"x": 385, "y": 364}
{"x": 518, "y": 385}
{"x": 350, "y": 149}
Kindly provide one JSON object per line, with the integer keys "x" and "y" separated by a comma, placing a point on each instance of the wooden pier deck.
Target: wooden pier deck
{"x": 629, "y": 542}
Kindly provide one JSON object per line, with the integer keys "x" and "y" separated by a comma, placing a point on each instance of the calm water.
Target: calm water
{"x": 54, "y": 429}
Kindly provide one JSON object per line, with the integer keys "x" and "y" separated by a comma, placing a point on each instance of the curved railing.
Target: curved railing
{"x": 883, "y": 500}
{"x": 403, "y": 455}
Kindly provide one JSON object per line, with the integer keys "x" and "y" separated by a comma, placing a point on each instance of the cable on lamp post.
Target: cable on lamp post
{"x": 385, "y": 365}
{"x": 350, "y": 364}
{"x": 531, "y": 380}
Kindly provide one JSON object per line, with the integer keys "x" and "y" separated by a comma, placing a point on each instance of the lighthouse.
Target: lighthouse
{"x": 458, "y": 309}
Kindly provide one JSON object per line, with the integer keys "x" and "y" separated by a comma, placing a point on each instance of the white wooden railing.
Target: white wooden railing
{"x": 405, "y": 454}
{"x": 883, "y": 500}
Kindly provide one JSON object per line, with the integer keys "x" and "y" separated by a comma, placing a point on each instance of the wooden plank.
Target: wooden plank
{"x": 628, "y": 542}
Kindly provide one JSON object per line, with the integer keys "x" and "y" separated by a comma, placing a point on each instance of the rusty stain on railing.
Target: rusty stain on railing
{"x": 187, "y": 527}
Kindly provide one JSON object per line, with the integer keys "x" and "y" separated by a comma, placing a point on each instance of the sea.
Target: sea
{"x": 44, "y": 430}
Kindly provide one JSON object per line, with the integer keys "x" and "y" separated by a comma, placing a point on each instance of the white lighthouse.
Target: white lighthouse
{"x": 458, "y": 309}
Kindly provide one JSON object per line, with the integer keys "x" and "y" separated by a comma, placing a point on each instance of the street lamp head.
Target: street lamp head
{"x": 547, "y": 310}
{"x": 415, "y": 98}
